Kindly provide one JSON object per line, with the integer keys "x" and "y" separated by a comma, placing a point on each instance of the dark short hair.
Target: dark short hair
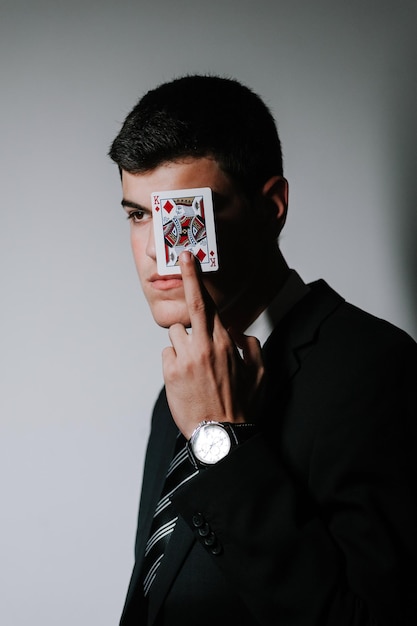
{"x": 202, "y": 116}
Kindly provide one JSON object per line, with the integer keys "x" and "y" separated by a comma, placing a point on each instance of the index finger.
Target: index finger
{"x": 200, "y": 306}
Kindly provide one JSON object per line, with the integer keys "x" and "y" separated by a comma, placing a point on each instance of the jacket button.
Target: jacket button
{"x": 197, "y": 520}
{"x": 204, "y": 530}
{"x": 216, "y": 549}
{"x": 210, "y": 540}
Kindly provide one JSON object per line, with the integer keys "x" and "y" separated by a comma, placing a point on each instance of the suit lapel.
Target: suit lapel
{"x": 293, "y": 338}
{"x": 296, "y": 333}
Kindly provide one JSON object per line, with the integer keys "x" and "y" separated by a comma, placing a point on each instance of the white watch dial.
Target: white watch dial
{"x": 211, "y": 443}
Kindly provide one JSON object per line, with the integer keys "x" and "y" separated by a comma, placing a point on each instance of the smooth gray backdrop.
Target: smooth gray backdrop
{"x": 80, "y": 355}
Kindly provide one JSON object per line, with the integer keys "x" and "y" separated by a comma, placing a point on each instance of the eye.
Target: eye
{"x": 137, "y": 216}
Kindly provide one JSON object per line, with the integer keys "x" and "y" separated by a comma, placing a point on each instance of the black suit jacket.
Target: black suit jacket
{"x": 314, "y": 519}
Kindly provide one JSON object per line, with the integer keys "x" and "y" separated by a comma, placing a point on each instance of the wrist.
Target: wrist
{"x": 212, "y": 441}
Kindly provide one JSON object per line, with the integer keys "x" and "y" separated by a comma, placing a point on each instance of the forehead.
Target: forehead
{"x": 184, "y": 174}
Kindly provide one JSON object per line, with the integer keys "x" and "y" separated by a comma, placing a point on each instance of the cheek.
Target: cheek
{"x": 138, "y": 248}
{"x": 220, "y": 287}
{"x": 241, "y": 245}
{"x": 234, "y": 236}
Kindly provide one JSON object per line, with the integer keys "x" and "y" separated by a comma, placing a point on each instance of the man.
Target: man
{"x": 298, "y": 502}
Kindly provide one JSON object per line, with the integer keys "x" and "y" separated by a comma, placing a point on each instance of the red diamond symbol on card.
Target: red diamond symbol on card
{"x": 201, "y": 255}
{"x": 168, "y": 206}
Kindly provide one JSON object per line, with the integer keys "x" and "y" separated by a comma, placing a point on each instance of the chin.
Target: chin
{"x": 166, "y": 316}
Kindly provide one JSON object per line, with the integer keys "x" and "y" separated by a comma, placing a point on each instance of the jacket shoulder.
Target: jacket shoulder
{"x": 351, "y": 325}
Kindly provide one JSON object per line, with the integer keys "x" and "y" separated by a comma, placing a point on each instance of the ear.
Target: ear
{"x": 275, "y": 193}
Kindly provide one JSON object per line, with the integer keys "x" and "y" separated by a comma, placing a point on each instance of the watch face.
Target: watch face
{"x": 211, "y": 443}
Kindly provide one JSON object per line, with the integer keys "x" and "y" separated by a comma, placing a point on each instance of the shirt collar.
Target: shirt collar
{"x": 293, "y": 289}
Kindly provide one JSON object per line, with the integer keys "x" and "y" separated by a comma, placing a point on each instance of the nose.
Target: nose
{"x": 150, "y": 244}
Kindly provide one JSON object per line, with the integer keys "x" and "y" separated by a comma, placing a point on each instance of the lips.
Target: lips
{"x": 171, "y": 281}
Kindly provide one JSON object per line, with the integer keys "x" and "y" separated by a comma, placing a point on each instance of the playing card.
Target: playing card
{"x": 183, "y": 219}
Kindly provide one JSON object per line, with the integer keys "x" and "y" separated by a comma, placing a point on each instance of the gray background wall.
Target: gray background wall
{"x": 80, "y": 355}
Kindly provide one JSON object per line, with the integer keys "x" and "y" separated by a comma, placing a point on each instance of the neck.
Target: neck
{"x": 259, "y": 290}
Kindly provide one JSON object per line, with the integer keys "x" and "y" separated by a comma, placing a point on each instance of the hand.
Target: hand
{"x": 205, "y": 376}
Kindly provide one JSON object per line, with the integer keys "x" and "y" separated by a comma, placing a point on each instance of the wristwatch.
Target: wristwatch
{"x": 212, "y": 441}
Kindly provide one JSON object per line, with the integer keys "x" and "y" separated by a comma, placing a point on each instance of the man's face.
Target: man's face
{"x": 240, "y": 249}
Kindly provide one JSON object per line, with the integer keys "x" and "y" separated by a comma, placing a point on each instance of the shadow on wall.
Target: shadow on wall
{"x": 403, "y": 158}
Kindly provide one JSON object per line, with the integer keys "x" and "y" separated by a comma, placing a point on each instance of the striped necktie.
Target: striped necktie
{"x": 179, "y": 472}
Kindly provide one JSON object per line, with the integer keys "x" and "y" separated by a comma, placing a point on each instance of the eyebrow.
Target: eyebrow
{"x": 133, "y": 205}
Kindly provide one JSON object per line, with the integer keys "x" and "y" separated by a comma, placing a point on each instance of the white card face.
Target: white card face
{"x": 183, "y": 219}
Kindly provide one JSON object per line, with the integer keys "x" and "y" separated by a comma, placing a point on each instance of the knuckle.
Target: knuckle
{"x": 202, "y": 357}
{"x": 168, "y": 362}
{"x": 166, "y": 353}
{"x": 224, "y": 344}
{"x": 196, "y": 305}
{"x": 174, "y": 329}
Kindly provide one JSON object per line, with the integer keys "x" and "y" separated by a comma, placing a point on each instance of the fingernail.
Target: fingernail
{"x": 186, "y": 256}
